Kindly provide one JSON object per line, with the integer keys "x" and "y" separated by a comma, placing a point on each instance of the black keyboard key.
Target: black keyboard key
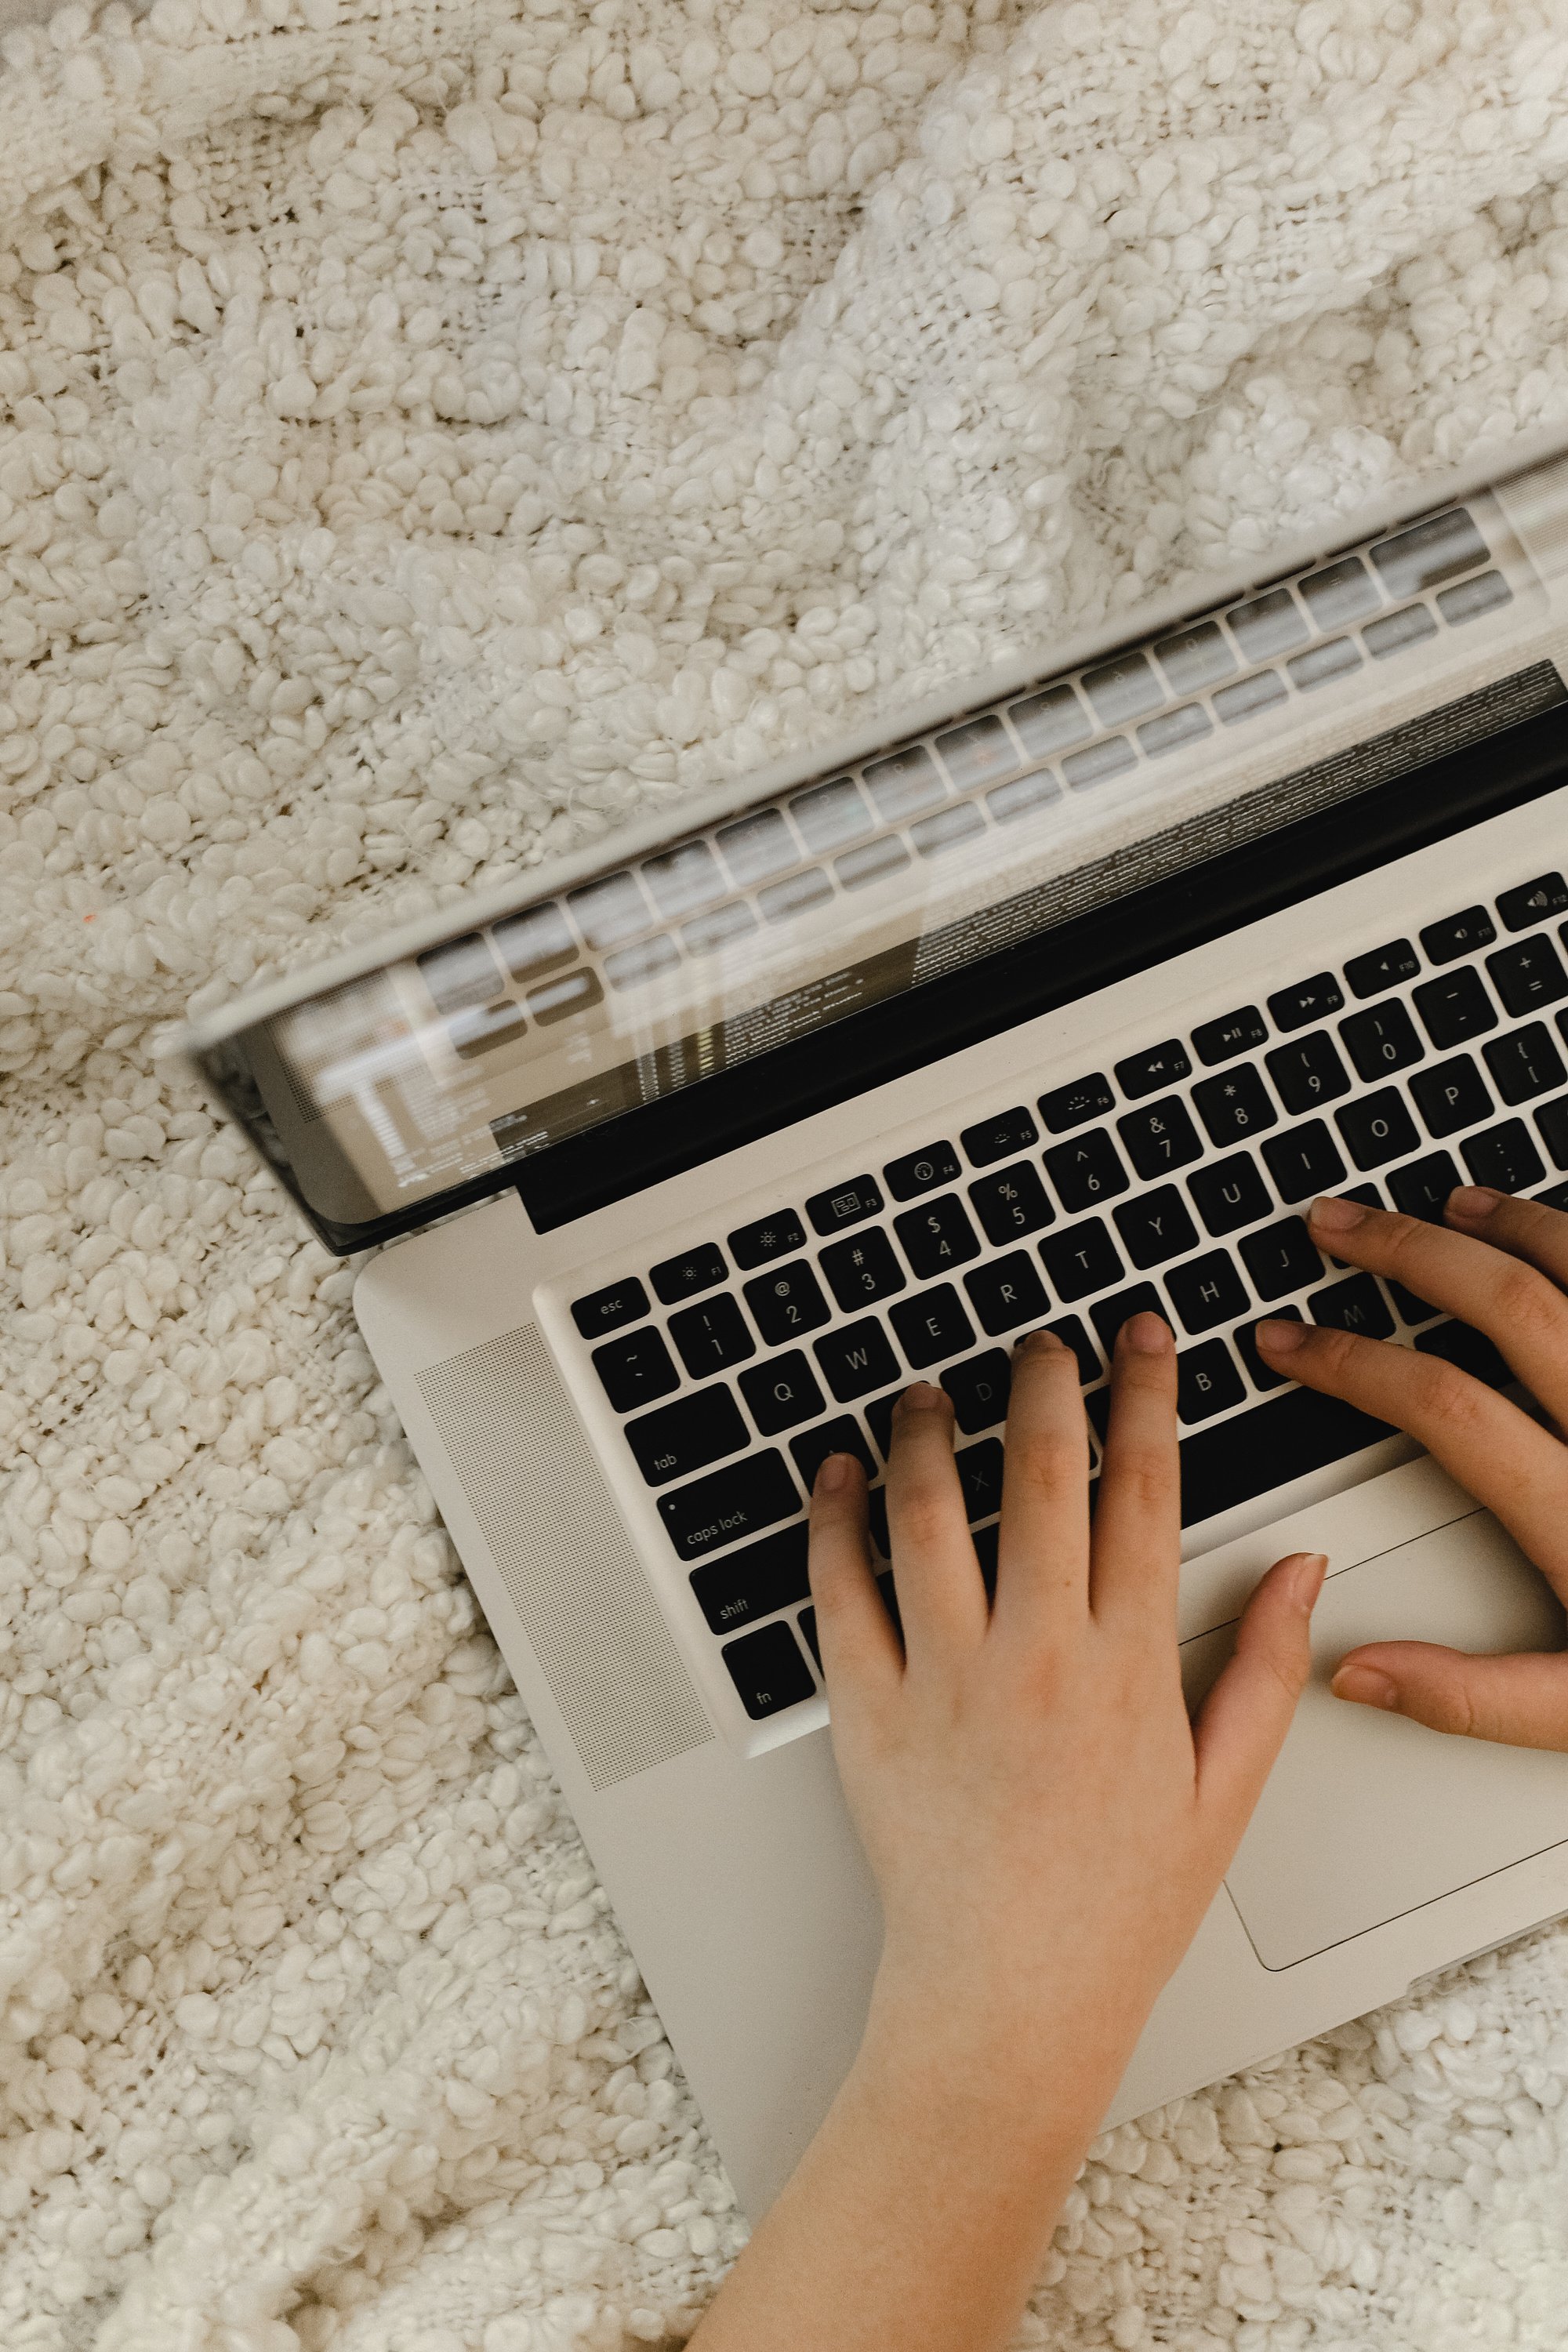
{"x": 608, "y": 1309}
{"x": 1504, "y": 1157}
{"x": 686, "y": 1437}
{"x": 877, "y": 1520}
{"x": 1381, "y": 968}
{"x": 1309, "y": 1072}
{"x": 858, "y": 1360}
{"x": 1001, "y": 1137}
{"x": 937, "y": 1236}
{"x": 979, "y": 1389}
{"x": 847, "y": 1204}
{"x": 1254, "y": 1452}
{"x": 812, "y": 1448}
{"x": 1421, "y": 1189}
{"x": 1527, "y": 975}
{"x": 1107, "y": 1315}
{"x": 1146, "y": 1074}
{"x": 1230, "y": 1193}
{"x": 1161, "y": 1138}
{"x": 1081, "y": 1259}
{"x": 1309, "y": 999}
{"x": 1231, "y": 1034}
{"x": 1471, "y": 1351}
{"x": 921, "y": 1172}
{"x": 787, "y": 1303}
{"x": 979, "y": 1470}
{"x": 1070, "y": 1331}
{"x": 1068, "y": 1107}
{"x": 635, "y": 1370}
{"x": 1206, "y": 1291}
{"x": 1235, "y": 1106}
{"x": 1554, "y": 1197}
{"x": 880, "y": 1419}
{"x": 741, "y": 1500}
{"x": 1450, "y": 1096}
{"x": 770, "y": 1237}
{"x": 768, "y": 1670}
{"x": 933, "y": 1325}
{"x": 1206, "y": 1381}
{"x": 1262, "y": 1375}
{"x": 1526, "y": 1064}
{"x": 1304, "y": 1162}
{"x": 1007, "y": 1294}
{"x": 1454, "y": 1009}
{"x": 987, "y": 1542}
{"x": 1011, "y": 1202}
{"x": 782, "y": 1393}
{"x": 1086, "y": 1171}
{"x": 754, "y": 1581}
{"x": 1533, "y": 901}
{"x": 1410, "y": 1308}
{"x": 1155, "y": 1227}
{"x": 1380, "y": 1040}
{"x": 1551, "y": 1118}
{"x": 1377, "y": 1128}
{"x": 711, "y": 1336}
{"x": 693, "y": 1270}
{"x": 1458, "y": 935}
{"x": 1356, "y": 1305}
{"x": 862, "y": 1268}
{"x": 1281, "y": 1258}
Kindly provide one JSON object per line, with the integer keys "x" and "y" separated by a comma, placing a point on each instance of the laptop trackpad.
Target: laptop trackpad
{"x": 1368, "y": 1815}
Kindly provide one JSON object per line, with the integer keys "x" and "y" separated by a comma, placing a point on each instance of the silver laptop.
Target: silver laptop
{"x": 1057, "y": 996}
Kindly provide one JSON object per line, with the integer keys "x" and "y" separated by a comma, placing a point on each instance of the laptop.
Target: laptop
{"x": 1050, "y": 997}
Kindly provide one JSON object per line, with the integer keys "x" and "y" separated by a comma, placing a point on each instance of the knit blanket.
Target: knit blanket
{"x": 433, "y": 431}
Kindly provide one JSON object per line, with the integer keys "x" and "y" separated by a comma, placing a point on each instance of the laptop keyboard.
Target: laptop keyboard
{"x": 1174, "y": 1182}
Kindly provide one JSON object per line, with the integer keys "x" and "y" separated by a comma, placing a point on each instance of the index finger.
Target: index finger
{"x": 1522, "y": 1312}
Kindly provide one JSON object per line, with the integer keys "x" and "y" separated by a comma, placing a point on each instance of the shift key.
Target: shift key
{"x": 732, "y": 1503}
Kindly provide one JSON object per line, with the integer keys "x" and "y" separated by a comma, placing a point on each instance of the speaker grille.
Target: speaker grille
{"x": 558, "y": 1543}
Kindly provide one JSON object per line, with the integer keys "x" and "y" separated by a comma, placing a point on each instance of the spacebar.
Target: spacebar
{"x": 1236, "y": 1460}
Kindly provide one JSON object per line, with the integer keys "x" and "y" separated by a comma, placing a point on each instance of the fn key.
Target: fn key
{"x": 768, "y": 1670}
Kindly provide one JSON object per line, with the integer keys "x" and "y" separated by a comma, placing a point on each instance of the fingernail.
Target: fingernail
{"x": 1337, "y": 1216}
{"x": 1472, "y": 1203}
{"x": 921, "y": 1397}
{"x": 1280, "y": 1339}
{"x": 1365, "y": 1685}
{"x": 1149, "y": 1333}
{"x": 1307, "y": 1581}
{"x": 834, "y": 1474}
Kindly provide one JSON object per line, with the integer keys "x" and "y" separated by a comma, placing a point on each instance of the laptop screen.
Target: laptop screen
{"x": 458, "y": 1068}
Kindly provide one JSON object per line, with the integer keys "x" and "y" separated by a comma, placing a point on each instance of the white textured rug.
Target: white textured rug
{"x": 427, "y": 434}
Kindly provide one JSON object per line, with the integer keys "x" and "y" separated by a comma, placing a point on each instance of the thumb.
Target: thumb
{"x": 1520, "y": 1699}
{"x": 1242, "y": 1724}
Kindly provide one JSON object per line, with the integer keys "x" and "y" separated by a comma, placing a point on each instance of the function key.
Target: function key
{"x": 1458, "y": 935}
{"x": 767, "y": 1669}
{"x": 608, "y": 1309}
{"x": 1381, "y": 968}
{"x": 770, "y": 1237}
{"x": 918, "y": 1172}
{"x": 1231, "y": 1034}
{"x": 1146, "y": 1074}
{"x": 1309, "y": 999}
{"x": 847, "y": 1204}
{"x": 1068, "y": 1107}
{"x": 693, "y": 1270}
{"x": 1533, "y": 901}
{"x": 999, "y": 1139}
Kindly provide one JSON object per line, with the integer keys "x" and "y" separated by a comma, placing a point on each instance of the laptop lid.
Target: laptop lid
{"x": 809, "y": 932}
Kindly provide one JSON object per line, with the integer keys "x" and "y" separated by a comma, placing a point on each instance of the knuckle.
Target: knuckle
{"x": 924, "y": 1516}
{"x": 1450, "y": 1400}
{"x": 1529, "y": 1304}
{"x": 1141, "y": 1473}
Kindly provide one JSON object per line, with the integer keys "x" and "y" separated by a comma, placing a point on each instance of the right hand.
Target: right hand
{"x": 1500, "y": 1264}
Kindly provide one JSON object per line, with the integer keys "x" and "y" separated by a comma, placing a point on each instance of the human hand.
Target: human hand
{"x": 1500, "y": 1265}
{"x": 1046, "y": 1826}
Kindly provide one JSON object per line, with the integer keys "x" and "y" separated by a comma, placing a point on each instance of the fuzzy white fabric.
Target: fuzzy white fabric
{"x": 432, "y": 432}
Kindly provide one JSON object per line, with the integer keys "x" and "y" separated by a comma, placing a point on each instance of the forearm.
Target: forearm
{"x": 920, "y": 2215}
